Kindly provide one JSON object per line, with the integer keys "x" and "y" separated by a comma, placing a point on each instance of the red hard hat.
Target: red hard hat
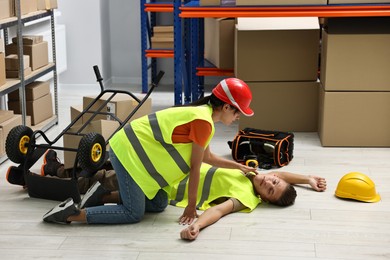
{"x": 235, "y": 92}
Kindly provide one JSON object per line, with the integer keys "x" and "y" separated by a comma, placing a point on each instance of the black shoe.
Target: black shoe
{"x": 51, "y": 163}
{"x": 94, "y": 196}
{"x": 60, "y": 213}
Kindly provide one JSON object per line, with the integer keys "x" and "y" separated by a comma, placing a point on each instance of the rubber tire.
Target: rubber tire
{"x": 92, "y": 152}
{"x": 18, "y": 136}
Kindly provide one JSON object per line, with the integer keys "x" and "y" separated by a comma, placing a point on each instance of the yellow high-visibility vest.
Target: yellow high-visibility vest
{"x": 216, "y": 183}
{"x": 145, "y": 148}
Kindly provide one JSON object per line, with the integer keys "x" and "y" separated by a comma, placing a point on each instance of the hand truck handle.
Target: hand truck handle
{"x": 98, "y": 77}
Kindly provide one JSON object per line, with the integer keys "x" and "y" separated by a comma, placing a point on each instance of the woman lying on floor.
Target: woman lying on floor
{"x": 221, "y": 191}
{"x": 224, "y": 191}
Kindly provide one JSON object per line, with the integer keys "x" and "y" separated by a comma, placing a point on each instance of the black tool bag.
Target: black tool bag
{"x": 271, "y": 148}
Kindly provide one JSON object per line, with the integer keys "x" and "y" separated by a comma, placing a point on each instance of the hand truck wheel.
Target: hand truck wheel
{"x": 16, "y": 144}
{"x": 92, "y": 152}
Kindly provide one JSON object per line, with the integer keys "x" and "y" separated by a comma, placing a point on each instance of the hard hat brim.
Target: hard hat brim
{"x": 341, "y": 195}
{"x": 247, "y": 112}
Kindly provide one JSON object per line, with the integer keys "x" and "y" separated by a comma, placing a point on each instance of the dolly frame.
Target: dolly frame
{"x": 29, "y": 152}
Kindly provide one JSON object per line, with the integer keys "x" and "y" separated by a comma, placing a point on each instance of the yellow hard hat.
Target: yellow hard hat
{"x": 357, "y": 186}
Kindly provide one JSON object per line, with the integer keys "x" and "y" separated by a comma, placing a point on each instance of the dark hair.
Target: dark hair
{"x": 287, "y": 198}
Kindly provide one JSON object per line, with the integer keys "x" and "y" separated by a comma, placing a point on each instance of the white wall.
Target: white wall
{"x": 105, "y": 33}
{"x": 84, "y": 40}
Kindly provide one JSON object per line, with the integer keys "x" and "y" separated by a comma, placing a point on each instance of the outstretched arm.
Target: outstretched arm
{"x": 317, "y": 183}
{"x": 209, "y": 217}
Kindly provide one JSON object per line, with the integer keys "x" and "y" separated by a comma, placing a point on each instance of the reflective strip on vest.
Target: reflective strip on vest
{"x": 179, "y": 160}
{"x": 143, "y": 156}
{"x": 205, "y": 190}
{"x": 206, "y": 186}
{"x": 168, "y": 147}
{"x": 181, "y": 189}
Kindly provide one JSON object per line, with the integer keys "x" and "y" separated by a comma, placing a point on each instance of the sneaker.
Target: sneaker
{"x": 94, "y": 196}
{"x": 51, "y": 163}
{"x": 60, "y": 213}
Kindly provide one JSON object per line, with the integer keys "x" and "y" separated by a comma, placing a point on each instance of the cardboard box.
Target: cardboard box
{"x": 2, "y": 69}
{"x": 6, "y": 9}
{"x": 355, "y": 54}
{"x": 104, "y": 127}
{"x": 15, "y": 73}
{"x": 33, "y": 91}
{"x": 277, "y": 49}
{"x": 12, "y": 62}
{"x": 209, "y": 2}
{"x": 2, "y": 48}
{"x": 357, "y": 1}
{"x": 29, "y": 39}
{"x": 75, "y": 111}
{"x": 39, "y": 109}
{"x": 121, "y": 106}
{"x": 281, "y": 2}
{"x": 163, "y": 31}
{"x": 5, "y": 115}
{"x": 6, "y": 127}
{"x": 354, "y": 118}
{"x": 2, "y": 143}
{"x": 162, "y": 42}
{"x": 39, "y": 53}
{"x": 283, "y": 106}
{"x": 219, "y": 42}
{"x": 47, "y": 4}
{"x": 28, "y": 6}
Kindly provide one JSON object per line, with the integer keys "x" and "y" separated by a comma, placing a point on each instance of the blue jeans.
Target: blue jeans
{"x": 134, "y": 202}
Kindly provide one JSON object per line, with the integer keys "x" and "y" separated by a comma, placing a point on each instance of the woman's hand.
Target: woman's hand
{"x": 317, "y": 183}
{"x": 190, "y": 233}
{"x": 245, "y": 169}
{"x": 189, "y": 215}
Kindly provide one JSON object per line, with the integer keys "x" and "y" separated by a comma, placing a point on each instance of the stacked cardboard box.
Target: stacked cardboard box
{"x": 357, "y": 1}
{"x": 281, "y": 2}
{"x": 219, "y": 42}
{"x": 5, "y": 115}
{"x": 162, "y": 37}
{"x": 2, "y": 63}
{"x": 28, "y": 6}
{"x": 284, "y": 2}
{"x": 278, "y": 59}
{"x": 120, "y": 106}
{"x": 38, "y": 101}
{"x": 8, "y": 120}
{"x": 209, "y": 2}
{"x": 355, "y": 82}
{"x": 6, "y": 9}
{"x": 33, "y": 46}
{"x": 47, "y": 4}
{"x": 12, "y": 66}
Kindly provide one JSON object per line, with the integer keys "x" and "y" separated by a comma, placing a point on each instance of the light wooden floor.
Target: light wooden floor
{"x": 318, "y": 226}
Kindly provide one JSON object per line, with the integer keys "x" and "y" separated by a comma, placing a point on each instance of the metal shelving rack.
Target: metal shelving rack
{"x": 13, "y": 84}
{"x": 196, "y": 66}
{"x": 147, "y": 22}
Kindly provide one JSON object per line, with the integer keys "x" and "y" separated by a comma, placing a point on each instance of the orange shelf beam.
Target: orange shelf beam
{"x": 156, "y": 53}
{"x": 162, "y": 8}
{"x": 204, "y": 71}
{"x": 284, "y": 11}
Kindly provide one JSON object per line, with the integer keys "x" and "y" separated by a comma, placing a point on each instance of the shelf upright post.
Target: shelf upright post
{"x": 186, "y": 36}
{"x": 194, "y": 57}
{"x": 22, "y": 95}
{"x": 55, "y": 75}
{"x": 200, "y": 79}
{"x": 151, "y": 23}
{"x": 178, "y": 53}
{"x": 144, "y": 59}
